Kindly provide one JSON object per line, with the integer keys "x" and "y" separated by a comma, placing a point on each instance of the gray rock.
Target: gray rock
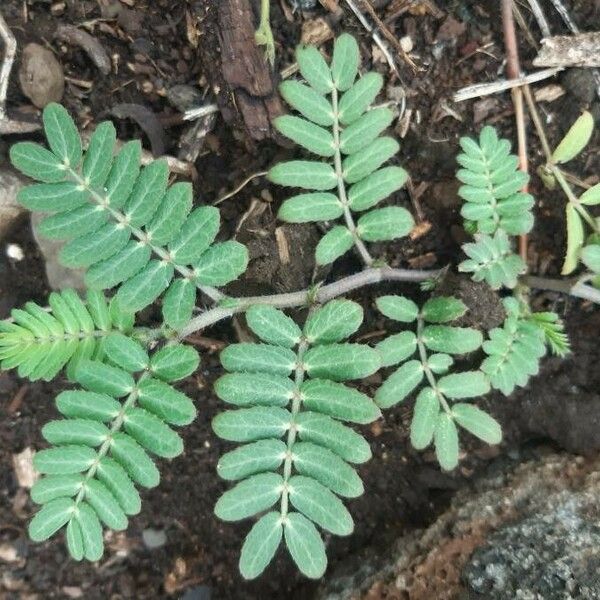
{"x": 41, "y": 76}
{"x": 154, "y": 538}
{"x": 10, "y": 209}
{"x": 59, "y": 276}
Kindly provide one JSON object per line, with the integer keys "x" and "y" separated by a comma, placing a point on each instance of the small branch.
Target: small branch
{"x": 10, "y": 51}
{"x": 563, "y": 286}
{"x": 540, "y": 17}
{"x": 240, "y": 187}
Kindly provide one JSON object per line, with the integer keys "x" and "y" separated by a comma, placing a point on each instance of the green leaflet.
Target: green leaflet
{"x": 75, "y": 431}
{"x": 365, "y": 129}
{"x": 333, "y": 322}
{"x": 591, "y": 197}
{"x": 314, "y": 138}
{"x": 99, "y": 497}
{"x": 120, "y": 267}
{"x": 133, "y": 458}
{"x": 74, "y": 540}
{"x": 260, "y": 545}
{"x": 152, "y": 433}
{"x": 326, "y": 467}
{"x": 345, "y": 61}
{"x": 385, "y": 224}
{"x": 443, "y": 309}
{"x": 314, "y": 69}
{"x": 338, "y": 401}
{"x": 166, "y": 402}
{"x": 251, "y": 496}
{"x": 258, "y": 357}
{"x": 145, "y": 287}
{"x": 469, "y": 384}
{"x": 53, "y": 197}
{"x": 250, "y": 424}
{"x": 446, "y": 441}
{"x": 422, "y": 427}
{"x": 305, "y": 174}
{"x": 400, "y": 384}
{"x": 115, "y": 478}
{"x": 357, "y": 166}
{"x": 99, "y": 156}
{"x": 178, "y": 303}
{"x": 123, "y": 174}
{"x": 264, "y": 455}
{"x": 341, "y": 362}
{"x": 308, "y": 102}
{"x": 396, "y": 348}
{"x": 247, "y": 389}
{"x": 273, "y": 326}
{"x": 104, "y": 379}
{"x": 333, "y": 244}
{"x": 305, "y": 545}
{"x": 50, "y": 519}
{"x": 221, "y": 263}
{"x": 358, "y": 98}
{"x": 590, "y": 257}
{"x": 93, "y": 247}
{"x": 477, "y": 422}
{"x": 174, "y": 362}
{"x": 71, "y": 223}
{"x": 36, "y": 162}
{"x": 126, "y": 353}
{"x": 196, "y": 235}
{"x": 147, "y": 192}
{"x": 51, "y": 487}
{"x": 440, "y": 363}
{"x": 398, "y": 308}
{"x": 320, "y": 505}
{"x": 62, "y": 135}
{"x": 575, "y": 239}
{"x": 91, "y": 531}
{"x": 377, "y": 186}
{"x": 452, "y": 340}
{"x": 64, "y": 460}
{"x": 171, "y": 214}
{"x": 575, "y": 140}
{"x": 315, "y": 206}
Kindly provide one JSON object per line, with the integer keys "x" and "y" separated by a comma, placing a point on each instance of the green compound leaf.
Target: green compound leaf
{"x": 365, "y": 129}
{"x": 256, "y": 358}
{"x": 396, "y": 348}
{"x": 451, "y": 340}
{"x": 251, "y": 496}
{"x": 338, "y": 401}
{"x": 320, "y": 505}
{"x": 575, "y": 140}
{"x": 387, "y": 223}
{"x": 273, "y": 326}
{"x": 469, "y": 384}
{"x": 126, "y": 353}
{"x": 36, "y": 162}
{"x": 145, "y": 287}
{"x": 400, "y": 384}
{"x": 315, "y": 206}
{"x": 196, "y": 235}
{"x": 327, "y": 468}
{"x": 398, "y": 308}
{"x": 443, "y": 309}
{"x": 308, "y": 102}
{"x": 341, "y": 362}
{"x": 264, "y": 455}
{"x": 174, "y": 362}
{"x": 377, "y": 186}
{"x": 345, "y": 61}
{"x": 178, "y": 303}
{"x": 359, "y": 97}
{"x": 361, "y": 164}
{"x": 261, "y": 389}
{"x": 165, "y": 402}
{"x": 425, "y": 414}
{"x": 314, "y": 69}
{"x": 446, "y": 441}
{"x": 333, "y": 322}
{"x": 335, "y": 243}
{"x": 477, "y": 422}
{"x": 251, "y": 424}
{"x": 62, "y": 135}
{"x": 314, "y": 138}
{"x": 221, "y": 263}
{"x": 260, "y": 545}
{"x": 99, "y": 156}
{"x": 305, "y": 545}
{"x": 52, "y": 517}
{"x": 305, "y": 174}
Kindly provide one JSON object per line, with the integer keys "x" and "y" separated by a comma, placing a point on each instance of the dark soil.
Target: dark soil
{"x": 404, "y": 489}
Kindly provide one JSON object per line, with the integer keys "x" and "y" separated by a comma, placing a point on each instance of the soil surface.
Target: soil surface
{"x": 155, "y": 46}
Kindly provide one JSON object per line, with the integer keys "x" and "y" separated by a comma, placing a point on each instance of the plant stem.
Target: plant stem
{"x": 563, "y": 286}
{"x": 337, "y": 159}
{"x": 428, "y": 372}
{"x": 367, "y": 276}
{"x": 104, "y": 202}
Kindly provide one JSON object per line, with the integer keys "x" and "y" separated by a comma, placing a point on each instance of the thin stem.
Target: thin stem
{"x": 563, "y": 286}
{"x": 337, "y": 158}
{"x": 10, "y": 50}
{"x": 104, "y": 202}
{"x": 292, "y": 431}
{"x": 564, "y": 184}
{"x": 428, "y": 372}
{"x": 368, "y": 276}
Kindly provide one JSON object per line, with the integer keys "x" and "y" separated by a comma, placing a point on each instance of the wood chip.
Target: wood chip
{"x": 579, "y": 50}
{"x": 23, "y": 466}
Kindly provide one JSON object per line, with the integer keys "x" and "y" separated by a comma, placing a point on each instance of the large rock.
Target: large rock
{"x": 10, "y": 209}
{"x": 529, "y": 534}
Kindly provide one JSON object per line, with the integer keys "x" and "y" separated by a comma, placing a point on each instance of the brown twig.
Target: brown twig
{"x": 513, "y": 69}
